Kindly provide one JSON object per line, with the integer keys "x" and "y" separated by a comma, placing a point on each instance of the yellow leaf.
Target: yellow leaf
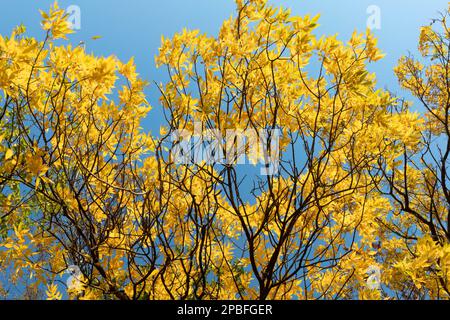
{"x": 9, "y": 154}
{"x": 53, "y": 293}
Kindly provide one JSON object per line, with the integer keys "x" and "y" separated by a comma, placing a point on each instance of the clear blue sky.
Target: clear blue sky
{"x": 134, "y": 27}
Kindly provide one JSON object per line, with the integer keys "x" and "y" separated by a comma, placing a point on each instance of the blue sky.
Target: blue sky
{"x": 134, "y": 27}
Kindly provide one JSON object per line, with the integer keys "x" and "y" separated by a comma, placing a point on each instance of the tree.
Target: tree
{"x": 146, "y": 217}
{"x": 417, "y": 183}
{"x": 265, "y": 70}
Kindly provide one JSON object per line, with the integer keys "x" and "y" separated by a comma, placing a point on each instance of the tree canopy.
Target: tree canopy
{"x": 361, "y": 182}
